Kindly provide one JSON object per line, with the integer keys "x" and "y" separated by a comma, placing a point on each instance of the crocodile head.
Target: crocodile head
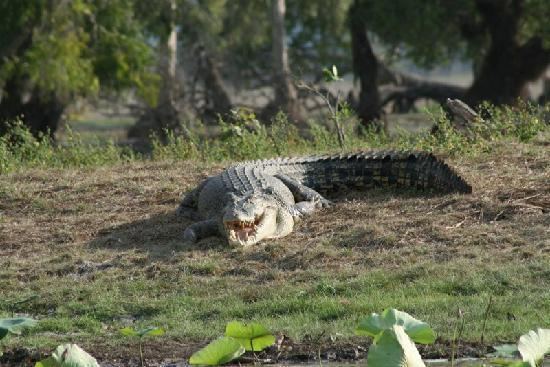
{"x": 251, "y": 218}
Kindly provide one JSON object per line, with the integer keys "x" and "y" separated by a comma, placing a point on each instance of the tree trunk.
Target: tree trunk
{"x": 168, "y": 62}
{"x": 218, "y": 101}
{"x": 165, "y": 115}
{"x": 508, "y": 66}
{"x": 41, "y": 112}
{"x": 365, "y": 66}
{"x": 286, "y": 97}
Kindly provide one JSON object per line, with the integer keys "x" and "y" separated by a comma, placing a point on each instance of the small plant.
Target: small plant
{"x": 338, "y": 111}
{"x": 253, "y": 337}
{"x": 394, "y": 333}
{"x": 219, "y": 351}
{"x": 239, "y": 338}
{"x": 68, "y": 355}
{"x": 150, "y": 331}
{"x": 459, "y": 328}
{"x": 14, "y": 326}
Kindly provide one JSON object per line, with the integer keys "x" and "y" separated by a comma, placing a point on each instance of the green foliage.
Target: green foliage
{"x": 76, "y": 48}
{"x": 253, "y": 337}
{"x": 245, "y": 138}
{"x": 331, "y": 75}
{"x": 20, "y": 149}
{"x": 68, "y": 355}
{"x": 150, "y": 331}
{"x": 141, "y": 333}
{"x": 375, "y": 324}
{"x": 219, "y": 351}
{"x": 393, "y": 348}
{"x": 174, "y": 146}
{"x": 318, "y": 34}
{"x": 406, "y": 28}
{"x": 14, "y": 325}
{"x": 239, "y": 337}
{"x": 394, "y": 333}
{"x": 505, "y": 351}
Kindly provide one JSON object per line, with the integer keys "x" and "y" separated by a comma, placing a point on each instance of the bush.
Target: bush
{"x": 245, "y": 138}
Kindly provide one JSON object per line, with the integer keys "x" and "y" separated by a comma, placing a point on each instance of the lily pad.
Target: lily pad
{"x": 15, "y": 325}
{"x": 534, "y": 345}
{"x": 253, "y": 336}
{"x": 393, "y": 348}
{"x": 68, "y": 355}
{"x": 505, "y": 351}
{"x": 417, "y": 330}
{"x": 219, "y": 351}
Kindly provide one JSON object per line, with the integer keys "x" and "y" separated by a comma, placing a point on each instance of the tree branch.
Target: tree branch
{"x": 430, "y": 90}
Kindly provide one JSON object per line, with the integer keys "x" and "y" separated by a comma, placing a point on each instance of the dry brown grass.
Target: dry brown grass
{"x": 86, "y": 228}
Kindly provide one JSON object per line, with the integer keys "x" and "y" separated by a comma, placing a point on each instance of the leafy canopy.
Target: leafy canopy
{"x": 76, "y": 47}
{"x": 432, "y": 32}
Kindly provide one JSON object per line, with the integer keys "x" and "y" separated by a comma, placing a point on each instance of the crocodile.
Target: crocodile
{"x": 258, "y": 200}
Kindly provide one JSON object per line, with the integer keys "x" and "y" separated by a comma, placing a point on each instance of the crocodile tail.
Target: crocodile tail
{"x": 364, "y": 170}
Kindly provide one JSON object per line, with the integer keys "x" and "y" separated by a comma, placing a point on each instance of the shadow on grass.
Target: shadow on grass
{"x": 160, "y": 236}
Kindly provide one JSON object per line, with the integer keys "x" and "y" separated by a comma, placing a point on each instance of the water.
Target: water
{"x": 461, "y": 362}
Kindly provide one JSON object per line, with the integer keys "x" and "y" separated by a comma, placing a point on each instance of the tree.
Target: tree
{"x": 286, "y": 97}
{"x": 515, "y": 54}
{"x": 507, "y": 41}
{"x": 54, "y": 51}
{"x": 365, "y": 65}
{"x": 164, "y": 114}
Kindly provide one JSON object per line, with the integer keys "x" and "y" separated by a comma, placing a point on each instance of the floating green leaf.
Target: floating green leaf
{"x": 15, "y": 325}
{"x": 505, "y": 351}
{"x": 253, "y": 336}
{"x": 534, "y": 345}
{"x": 150, "y": 331}
{"x": 219, "y": 351}
{"x": 68, "y": 355}
{"x": 417, "y": 330}
{"x": 393, "y": 348}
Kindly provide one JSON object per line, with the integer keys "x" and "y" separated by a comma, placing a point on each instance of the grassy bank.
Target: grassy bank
{"x": 89, "y": 248}
{"x": 245, "y": 138}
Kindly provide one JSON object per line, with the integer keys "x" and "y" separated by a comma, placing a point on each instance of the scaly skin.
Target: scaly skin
{"x": 258, "y": 200}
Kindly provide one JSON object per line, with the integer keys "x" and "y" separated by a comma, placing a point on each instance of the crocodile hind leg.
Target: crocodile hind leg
{"x": 200, "y": 230}
{"x": 307, "y": 199}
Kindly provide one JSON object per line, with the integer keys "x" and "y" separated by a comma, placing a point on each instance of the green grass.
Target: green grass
{"x": 197, "y": 307}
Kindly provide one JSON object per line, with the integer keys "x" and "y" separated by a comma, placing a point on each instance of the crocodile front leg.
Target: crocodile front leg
{"x": 200, "y": 230}
{"x": 307, "y": 199}
{"x": 188, "y": 206}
